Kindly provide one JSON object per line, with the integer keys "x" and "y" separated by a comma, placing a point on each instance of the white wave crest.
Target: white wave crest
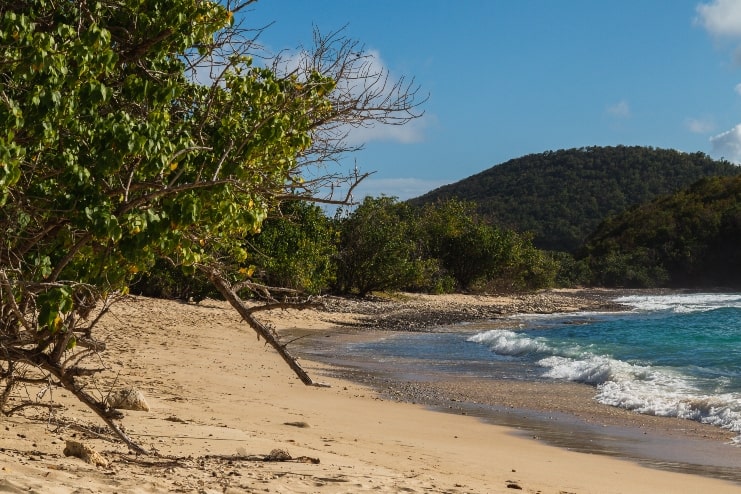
{"x": 648, "y": 390}
{"x": 505, "y": 342}
{"x": 648, "y": 398}
{"x": 594, "y": 370}
{"x": 682, "y": 302}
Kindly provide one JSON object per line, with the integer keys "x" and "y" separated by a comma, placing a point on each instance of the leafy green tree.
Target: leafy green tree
{"x": 477, "y": 254}
{"x": 295, "y": 249}
{"x": 385, "y": 245}
{"x": 113, "y": 155}
{"x": 375, "y": 250}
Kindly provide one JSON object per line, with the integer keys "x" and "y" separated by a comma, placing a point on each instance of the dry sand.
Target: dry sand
{"x": 221, "y": 401}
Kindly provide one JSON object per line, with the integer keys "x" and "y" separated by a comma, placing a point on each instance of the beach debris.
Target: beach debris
{"x": 300, "y": 425}
{"x": 85, "y": 453}
{"x": 513, "y": 485}
{"x": 174, "y": 418}
{"x": 283, "y": 455}
{"x": 278, "y": 455}
{"x": 128, "y": 399}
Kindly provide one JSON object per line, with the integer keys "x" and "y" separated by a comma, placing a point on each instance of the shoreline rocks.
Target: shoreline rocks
{"x": 413, "y": 312}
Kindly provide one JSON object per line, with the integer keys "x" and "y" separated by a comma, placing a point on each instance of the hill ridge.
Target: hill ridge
{"x": 562, "y": 196}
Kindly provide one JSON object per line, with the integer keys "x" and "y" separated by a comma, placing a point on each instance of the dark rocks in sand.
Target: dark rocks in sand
{"x": 420, "y": 314}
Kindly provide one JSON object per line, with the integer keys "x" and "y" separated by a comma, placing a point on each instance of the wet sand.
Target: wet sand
{"x": 559, "y": 413}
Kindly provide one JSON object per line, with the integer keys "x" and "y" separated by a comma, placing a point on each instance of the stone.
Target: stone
{"x": 85, "y": 453}
{"x": 127, "y": 399}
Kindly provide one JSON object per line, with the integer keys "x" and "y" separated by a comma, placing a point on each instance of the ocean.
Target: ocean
{"x": 674, "y": 355}
{"x": 670, "y": 355}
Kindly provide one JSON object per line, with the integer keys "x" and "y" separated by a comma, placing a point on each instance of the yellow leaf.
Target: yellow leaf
{"x": 173, "y": 166}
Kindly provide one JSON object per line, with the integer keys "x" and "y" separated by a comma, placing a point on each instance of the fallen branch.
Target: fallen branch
{"x": 263, "y": 331}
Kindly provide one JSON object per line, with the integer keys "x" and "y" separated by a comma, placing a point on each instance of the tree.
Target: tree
{"x": 687, "y": 239}
{"x": 478, "y": 254}
{"x": 295, "y": 249}
{"x": 113, "y": 155}
{"x": 375, "y": 249}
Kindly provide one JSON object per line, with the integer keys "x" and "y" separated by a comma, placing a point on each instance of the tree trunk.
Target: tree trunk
{"x": 226, "y": 290}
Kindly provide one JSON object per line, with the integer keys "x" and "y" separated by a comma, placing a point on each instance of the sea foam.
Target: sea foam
{"x": 503, "y": 342}
{"x": 647, "y": 390}
{"x": 681, "y": 302}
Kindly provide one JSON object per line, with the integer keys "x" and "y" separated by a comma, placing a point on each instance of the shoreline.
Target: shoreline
{"x": 220, "y": 401}
{"x": 558, "y": 413}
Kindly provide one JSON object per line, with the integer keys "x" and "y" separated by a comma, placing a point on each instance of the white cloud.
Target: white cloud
{"x": 720, "y": 17}
{"x": 728, "y": 145}
{"x": 409, "y": 133}
{"x": 370, "y": 79}
{"x": 620, "y": 109}
{"x": 737, "y": 88}
{"x": 700, "y": 125}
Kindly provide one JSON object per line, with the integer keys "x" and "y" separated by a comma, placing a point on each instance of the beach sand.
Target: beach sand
{"x": 221, "y": 401}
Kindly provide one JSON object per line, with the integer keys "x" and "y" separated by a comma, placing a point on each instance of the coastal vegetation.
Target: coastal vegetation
{"x": 144, "y": 151}
{"x": 135, "y": 133}
{"x": 688, "y": 239}
{"x": 562, "y": 196}
{"x": 380, "y": 245}
{"x": 684, "y": 239}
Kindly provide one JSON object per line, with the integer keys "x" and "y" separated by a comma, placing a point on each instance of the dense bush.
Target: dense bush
{"x": 375, "y": 250}
{"x": 165, "y": 280}
{"x": 439, "y": 248}
{"x": 382, "y": 245}
{"x": 295, "y": 249}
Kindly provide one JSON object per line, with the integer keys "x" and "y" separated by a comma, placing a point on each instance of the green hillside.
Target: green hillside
{"x": 562, "y": 196}
{"x": 688, "y": 239}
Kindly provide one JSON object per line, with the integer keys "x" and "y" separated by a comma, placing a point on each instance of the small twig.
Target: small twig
{"x": 30, "y": 404}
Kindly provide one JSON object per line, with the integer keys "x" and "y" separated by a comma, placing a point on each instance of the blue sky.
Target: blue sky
{"x": 507, "y": 78}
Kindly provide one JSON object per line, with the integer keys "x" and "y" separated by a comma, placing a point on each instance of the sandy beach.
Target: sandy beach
{"x": 222, "y": 403}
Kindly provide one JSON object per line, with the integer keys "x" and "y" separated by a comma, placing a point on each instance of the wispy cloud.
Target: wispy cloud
{"x": 409, "y": 133}
{"x": 621, "y": 109}
{"x": 703, "y": 125}
{"x": 720, "y": 18}
{"x": 728, "y": 145}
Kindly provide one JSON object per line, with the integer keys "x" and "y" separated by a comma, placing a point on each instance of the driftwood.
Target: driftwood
{"x": 262, "y": 330}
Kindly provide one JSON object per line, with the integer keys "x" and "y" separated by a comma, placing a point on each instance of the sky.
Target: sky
{"x": 506, "y": 78}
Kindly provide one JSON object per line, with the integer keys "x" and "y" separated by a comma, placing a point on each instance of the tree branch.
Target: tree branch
{"x": 226, "y": 290}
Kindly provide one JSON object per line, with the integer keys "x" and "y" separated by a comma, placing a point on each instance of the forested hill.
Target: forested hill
{"x": 688, "y": 239}
{"x": 562, "y": 196}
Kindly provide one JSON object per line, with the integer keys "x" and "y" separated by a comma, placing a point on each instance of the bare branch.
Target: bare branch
{"x": 223, "y": 286}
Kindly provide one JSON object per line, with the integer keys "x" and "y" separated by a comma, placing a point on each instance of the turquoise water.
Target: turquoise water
{"x": 671, "y": 355}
